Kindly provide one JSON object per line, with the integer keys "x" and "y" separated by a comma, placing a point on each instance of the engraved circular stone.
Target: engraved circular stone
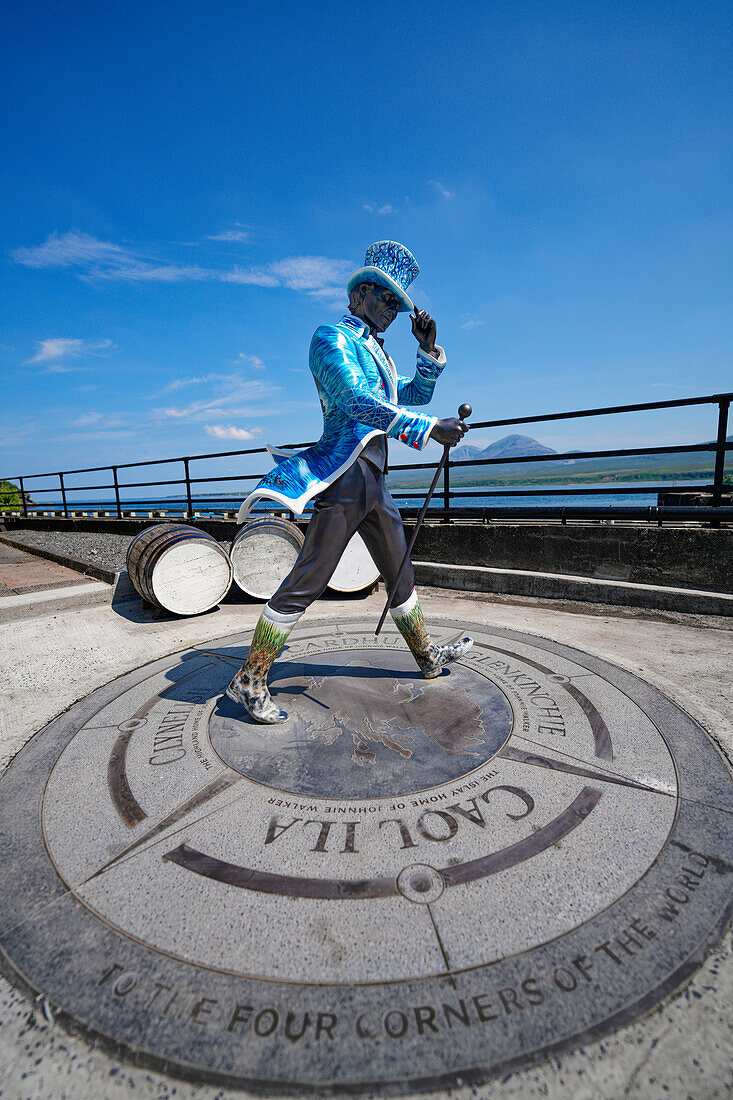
{"x": 364, "y": 726}
{"x": 406, "y": 884}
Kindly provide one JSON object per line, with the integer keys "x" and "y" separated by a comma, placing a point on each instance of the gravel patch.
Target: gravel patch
{"x": 105, "y": 549}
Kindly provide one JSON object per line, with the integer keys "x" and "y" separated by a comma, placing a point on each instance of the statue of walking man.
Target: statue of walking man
{"x": 363, "y": 401}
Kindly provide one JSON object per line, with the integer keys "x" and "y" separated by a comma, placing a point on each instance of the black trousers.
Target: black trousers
{"x": 357, "y": 501}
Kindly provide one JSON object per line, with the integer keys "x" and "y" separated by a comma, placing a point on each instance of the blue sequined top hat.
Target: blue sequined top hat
{"x": 389, "y": 264}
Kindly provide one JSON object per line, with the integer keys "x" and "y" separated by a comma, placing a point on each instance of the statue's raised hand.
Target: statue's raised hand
{"x": 424, "y": 329}
{"x": 449, "y": 431}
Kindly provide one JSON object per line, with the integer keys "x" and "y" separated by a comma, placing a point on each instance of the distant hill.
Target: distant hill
{"x": 693, "y": 466}
{"x": 510, "y": 446}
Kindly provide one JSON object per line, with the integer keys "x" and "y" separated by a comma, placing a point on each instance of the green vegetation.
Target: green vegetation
{"x": 599, "y": 472}
{"x": 9, "y": 497}
{"x": 620, "y": 476}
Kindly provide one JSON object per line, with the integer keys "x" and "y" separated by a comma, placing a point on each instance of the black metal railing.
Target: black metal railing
{"x": 714, "y": 510}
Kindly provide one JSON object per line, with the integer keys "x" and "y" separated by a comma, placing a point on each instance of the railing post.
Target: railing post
{"x": 22, "y": 498}
{"x": 446, "y": 490}
{"x": 63, "y": 495}
{"x": 720, "y": 453}
{"x": 189, "y": 514}
{"x": 117, "y": 492}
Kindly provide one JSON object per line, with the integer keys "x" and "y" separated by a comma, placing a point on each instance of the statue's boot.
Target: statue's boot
{"x": 249, "y": 686}
{"x": 430, "y": 657}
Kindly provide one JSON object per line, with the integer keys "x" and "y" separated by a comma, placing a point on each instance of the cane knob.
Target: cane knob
{"x": 464, "y": 412}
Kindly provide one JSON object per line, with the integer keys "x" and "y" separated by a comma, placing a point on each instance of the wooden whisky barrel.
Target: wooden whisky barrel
{"x": 179, "y": 568}
{"x": 356, "y": 570}
{"x": 263, "y": 553}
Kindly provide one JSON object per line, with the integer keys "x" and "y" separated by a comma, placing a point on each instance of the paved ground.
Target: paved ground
{"x": 680, "y": 1049}
{"x": 21, "y": 573}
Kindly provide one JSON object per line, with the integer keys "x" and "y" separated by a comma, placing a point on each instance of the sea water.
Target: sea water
{"x": 555, "y": 500}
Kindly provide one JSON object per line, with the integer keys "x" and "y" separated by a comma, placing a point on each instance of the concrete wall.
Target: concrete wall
{"x": 700, "y": 557}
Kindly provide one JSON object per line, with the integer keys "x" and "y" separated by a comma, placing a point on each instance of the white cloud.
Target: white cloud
{"x": 103, "y": 260}
{"x": 239, "y": 233}
{"x": 374, "y": 208}
{"x": 232, "y": 395}
{"x": 65, "y": 368}
{"x": 472, "y": 322}
{"x": 102, "y": 434}
{"x": 72, "y": 250}
{"x": 99, "y": 422}
{"x": 13, "y": 436}
{"x": 252, "y": 276}
{"x": 59, "y": 348}
{"x": 179, "y": 383}
{"x": 313, "y": 273}
{"x": 331, "y": 296}
{"x": 252, "y": 361}
{"x": 203, "y": 410}
{"x": 228, "y": 431}
{"x": 317, "y": 276}
{"x": 141, "y": 272}
{"x": 442, "y": 191}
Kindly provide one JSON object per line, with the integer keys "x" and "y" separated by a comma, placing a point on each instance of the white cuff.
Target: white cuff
{"x": 404, "y": 608}
{"x": 279, "y": 618}
{"x": 439, "y": 362}
{"x": 426, "y": 435}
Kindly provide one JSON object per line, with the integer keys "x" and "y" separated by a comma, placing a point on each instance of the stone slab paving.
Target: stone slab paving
{"x": 372, "y": 894}
{"x": 21, "y": 573}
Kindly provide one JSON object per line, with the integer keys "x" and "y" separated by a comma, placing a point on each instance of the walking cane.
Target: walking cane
{"x": 463, "y": 413}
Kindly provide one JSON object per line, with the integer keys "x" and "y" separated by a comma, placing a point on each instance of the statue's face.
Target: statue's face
{"x": 379, "y": 307}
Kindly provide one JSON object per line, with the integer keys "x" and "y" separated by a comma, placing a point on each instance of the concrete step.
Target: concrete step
{"x": 556, "y": 586}
{"x": 51, "y": 601}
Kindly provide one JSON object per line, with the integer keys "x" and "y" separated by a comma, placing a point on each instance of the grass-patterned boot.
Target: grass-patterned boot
{"x": 249, "y": 686}
{"x": 429, "y": 656}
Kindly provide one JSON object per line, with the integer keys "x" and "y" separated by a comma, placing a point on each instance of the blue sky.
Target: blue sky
{"x": 187, "y": 186}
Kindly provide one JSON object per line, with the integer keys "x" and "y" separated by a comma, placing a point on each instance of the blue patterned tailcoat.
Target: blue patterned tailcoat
{"x": 361, "y": 397}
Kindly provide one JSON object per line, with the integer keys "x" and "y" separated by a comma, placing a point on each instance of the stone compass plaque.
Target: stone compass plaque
{"x": 408, "y": 884}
